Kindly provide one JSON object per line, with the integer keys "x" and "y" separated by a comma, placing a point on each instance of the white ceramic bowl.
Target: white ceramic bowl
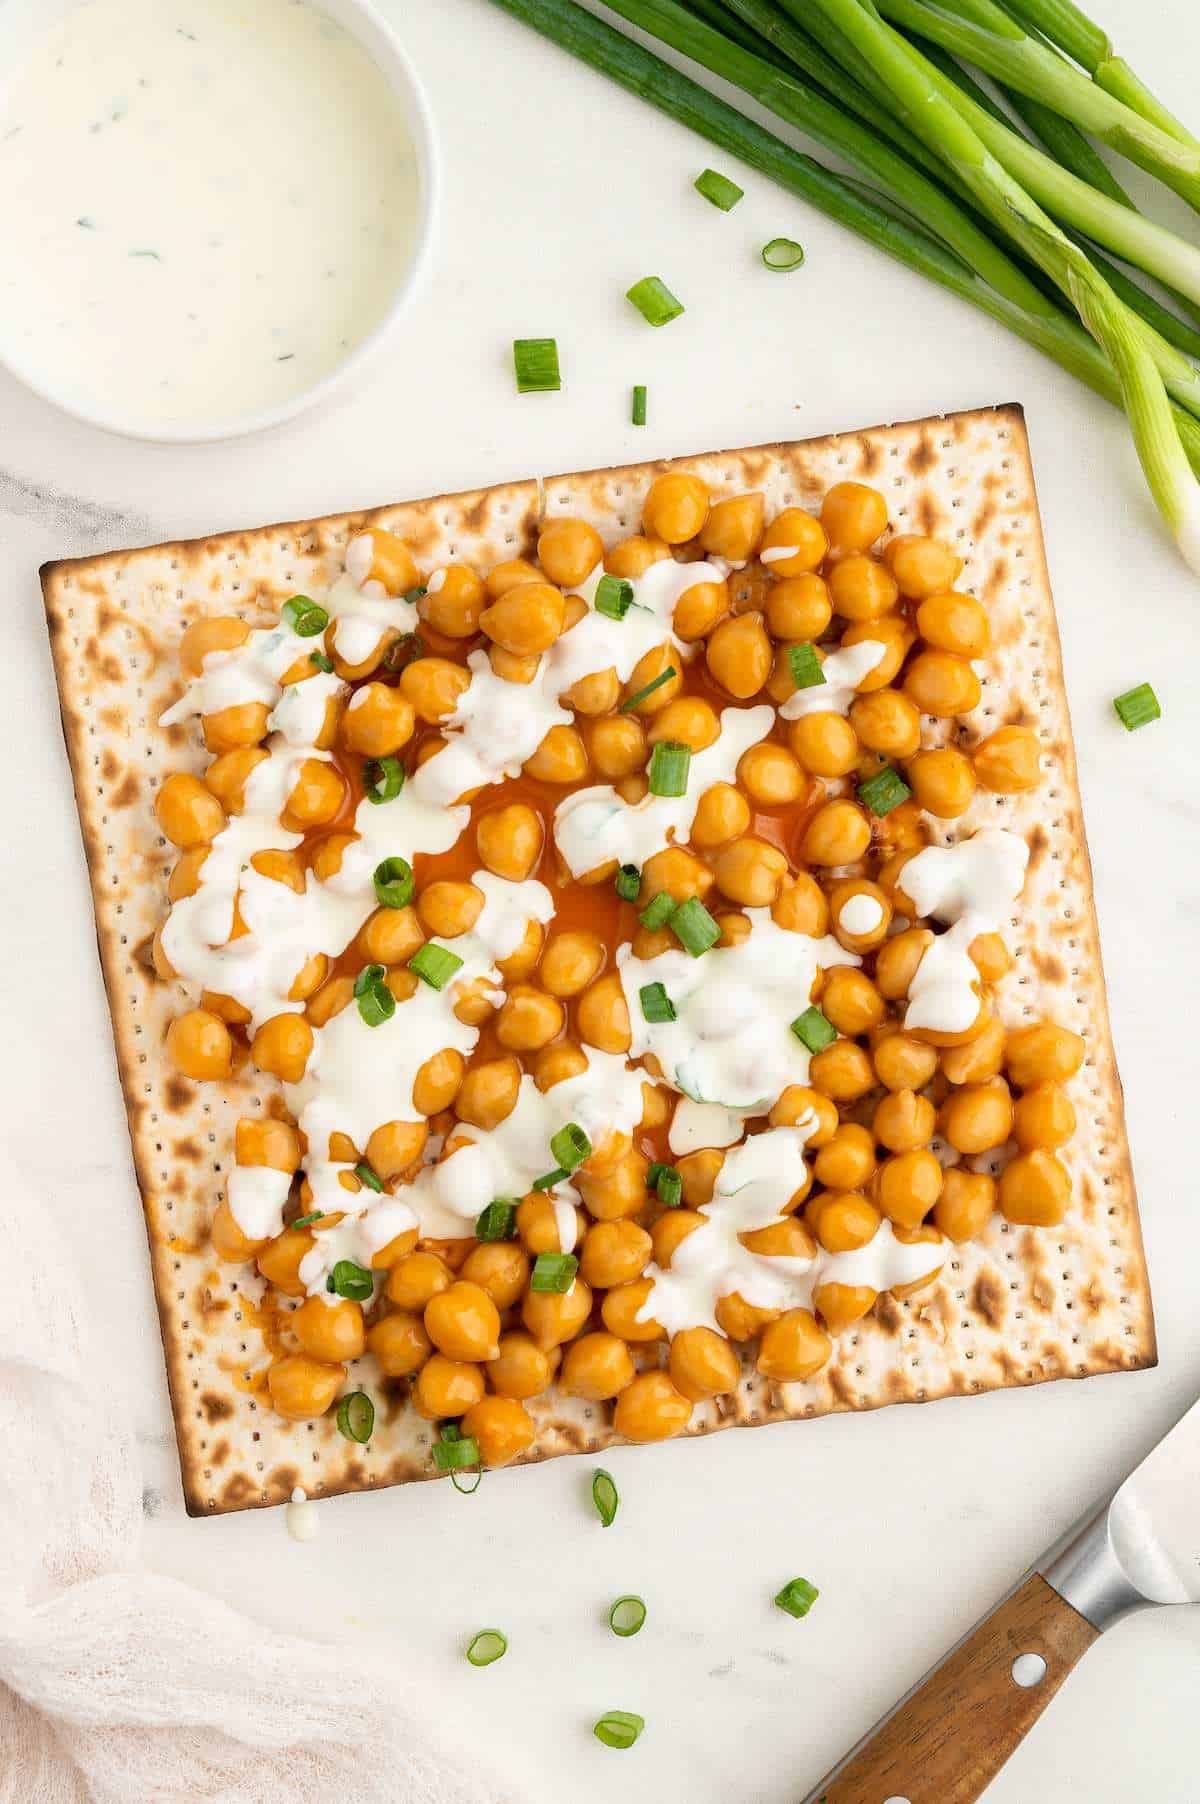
{"x": 23, "y": 22}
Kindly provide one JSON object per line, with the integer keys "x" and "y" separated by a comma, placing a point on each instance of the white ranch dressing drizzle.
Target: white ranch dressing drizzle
{"x": 843, "y": 671}
{"x": 699, "y": 1124}
{"x": 731, "y": 1041}
{"x": 300, "y": 712}
{"x": 256, "y": 1195}
{"x": 971, "y": 886}
{"x": 861, "y": 914}
{"x": 301, "y": 1517}
{"x": 201, "y": 221}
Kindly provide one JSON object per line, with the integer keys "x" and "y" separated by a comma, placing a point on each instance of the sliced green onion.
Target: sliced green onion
{"x": 350, "y": 1280}
{"x": 536, "y": 364}
{"x": 605, "y": 1496}
{"x": 669, "y": 1185}
{"x": 306, "y": 1221}
{"x": 371, "y": 1179}
{"x": 656, "y": 1004}
{"x": 404, "y": 651}
{"x": 884, "y": 791}
{"x": 383, "y": 779}
{"x": 306, "y": 618}
{"x": 614, "y": 597}
{"x": 356, "y": 1417}
{"x": 570, "y": 1146}
{"x": 656, "y": 1169}
{"x": 455, "y": 1451}
{"x": 486, "y": 1647}
{"x": 376, "y": 1004}
{"x": 619, "y": 1728}
{"x": 805, "y": 666}
{"x": 393, "y": 880}
{"x": 694, "y": 927}
{"x": 434, "y": 964}
{"x": 321, "y": 661}
{"x": 718, "y": 189}
{"x": 553, "y": 1273}
{"x": 639, "y": 404}
{"x": 413, "y": 596}
{"x": 669, "y": 764}
{"x": 654, "y": 301}
{"x": 783, "y": 253}
{"x": 640, "y": 695}
{"x": 813, "y": 1030}
{"x": 658, "y": 911}
{"x": 498, "y": 1221}
{"x": 550, "y": 1178}
{"x": 1137, "y": 707}
{"x": 627, "y": 1616}
{"x": 797, "y": 1597}
{"x": 628, "y": 882}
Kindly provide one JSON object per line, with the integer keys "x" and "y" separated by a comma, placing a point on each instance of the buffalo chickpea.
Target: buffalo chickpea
{"x": 525, "y": 621}
{"x": 671, "y": 1230}
{"x": 391, "y": 561}
{"x": 502, "y": 1428}
{"x": 688, "y": 720}
{"x": 434, "y": 687}
{"x": 598, "y": 1367}
{"x": 302, "y": 1388}
{"x": 512, "y": 573}
{"x": 509, "y": 841}
{"x": 228, "y": 1241}
{"x": 394, "y": 1146}
{"x": 702, "y": 1364}
{"x": 793, "y": 1348}
{"x": 850, "y": 1001}
{"x": 1044, "y": 1116}
{"x": 228, "y": 775}
{"x": 554, "y": 1319}
{"x": 399, "y": 1343}
{"x": 838, "y": 833}
{"x": 798, "y": 608}
{"x": 279, "y": 1261}
{"x": 657, "y": 1105}
{"x": 902, "y": 1063}
{"x": 798, "y": 1103}
{"x": 529, "y": 1019}
{"x": 617, "y": 746}
{"x": 568, "y": 551}
{"x": 1043, "y": 1053}
{"x": 619, "y": 1192}
{"x": 786, "y": 1239}
{"x": 676, "y": 871}
{"x": 446, "y": 1387}
{"x": 675, "y": 508}
{"x": 853, "y": 516}
{"x": 1008, "y": 761}
{"x": 571, "y": 961}
{"x": 897, "y": 961}
{"x": 315, "y": 797}
{"x": 264, "y": 1141}
{"x": 282, "y": 1046}
{"x": 723, "y": 814}
{"x": 734, "y": 527}
{"x": 741, "y": 1320}
{"x": 453, "y": 607}
{"x": 222, "y": 632}
{"x": 463, "y": 1322}
{"x": 965, "y": 1205}
{"x": 793, "y": 544}
{"x": 560, "y": 758}
{"x": 632, "y": 557}
{"x": 750, "y": 871}
{"x": 903, "y": 1121}
{"x": 329, "y": 1331}
{"x": 185, "y": 877}
{"x": 908, "y": 1185}
{"x": 843, "y": 1072}
{"x": 521, "y": 1368}
{"x": 438, "y": 1081}
{"x": 926, "y": 1235}
{"x": 940, "y": 683}
{"x": 199, "y": 1045}
{"x": 555, "y": 1064}
{"x": 651, "y": 1409}
{"x": 801, "y": 906}
{"x": 231, "y": 1012}
{"x": 954, "y": 622}
{"x": 921, "y": 566}
{"x": 512, "y": 667}
{"x": 595, "y": 694}
{"x": 990, "y": 956}
{"x": 615, "y": 1252}
{"x": 499, "y": 1267}
{"x": 378, "y": 721}
{"x": 894, "y": 634}
{"x": 489, "y": 1093}
{"x": 188, "y": 812}
{"x": 699, "y": 609}
{"x": 848, "y": 1160}
{"x": 1035, "y": 1188}
{"x": 843, "y": 1220}
{"x": 448, "y": 908}
{"x": 887, "y": 722}
{"x": 602, "y": 1018}
{"x": 841, "y": 1305}
{"x": 979, "y": 1059}
{"x": 771, "y": 776}
{"x": 861, "y": 588}
{"x": 824, "y": 743}
{"x": 862, "y": 915}
{"x": 739, "y": 655}
{"x": 330, "y": 1000}
{"x": 538, "y": 1225}
{"x": 977, "y": 1117}
{"x": 417, "y": 1278}
{"x": 652, "y": 665}
{"x": 245, "y": 723}
{"x": 942, "y": 780}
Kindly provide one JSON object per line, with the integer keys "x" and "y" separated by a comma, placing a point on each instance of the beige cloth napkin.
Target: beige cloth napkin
{"x": 121, "y": 1687}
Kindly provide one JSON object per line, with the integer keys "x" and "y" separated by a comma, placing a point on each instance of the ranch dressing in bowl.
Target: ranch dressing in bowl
{"x": 206, "y": 206}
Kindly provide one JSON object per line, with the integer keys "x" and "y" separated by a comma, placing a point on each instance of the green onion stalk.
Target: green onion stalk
{"x": 1066, "y": 25}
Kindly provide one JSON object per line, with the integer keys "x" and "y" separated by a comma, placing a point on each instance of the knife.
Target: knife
{"x": 947, "y": 1739}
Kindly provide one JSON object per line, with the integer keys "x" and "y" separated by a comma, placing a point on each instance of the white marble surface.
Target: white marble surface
{"x": 560, "y": 192}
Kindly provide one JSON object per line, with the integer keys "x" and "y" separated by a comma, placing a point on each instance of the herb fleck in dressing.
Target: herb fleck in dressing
{"x": 207, "y": 205}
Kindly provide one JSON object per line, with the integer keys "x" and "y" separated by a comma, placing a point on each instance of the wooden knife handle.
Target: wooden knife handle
{"x": 949, "y": 1738}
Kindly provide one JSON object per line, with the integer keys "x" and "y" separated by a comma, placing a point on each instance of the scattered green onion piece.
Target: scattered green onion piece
{"x": 371, "y": 1179}
{"x": 356, "y": 1418}
{"x": 454, "y": 1452}
{"x": 669, "y": 1185}
{"x": 306, "y": 618}
{"x": 639, "y": 404}
{"x": 652, "y": 1176}
{"x": 694, "y": 927}
{"x": 570, "y": 1146}
{"x": 605, "y": 1496}
{"x": 797, "y": 1597}
{"x": 718, "y": 189}
{"x": 813, "y": 1030}
{"x": 383, "y": 779}
{"x": 639, "y": 695}
{"x": 619, "y": 1728}
{"x": 404, "y": 651}
{"x": 628, "y": 882}
{"x": 654, "y": 301}
{"x": 783, "y": 253}
{"x": 550, "y": 1178}
{"x": 884, "y": 791}
{"x": 393, "y": 880}
{"x": 321, "y": 661}
{"x": 1137, "y": 707}
{"x": 553, "y": 1273}
{"x": 434, "y": 964}
{"x": 627, "y": 1616}
{"x": 669, "y": 764}
{"x": 536, "y": 364}
{"x": 487, "y": 1647}
{"x": 306, "y": 1221}
{"x": 805, "y": 666}
{"x": 614, "y": 597}
{"x": 656, "y": 1004}
{"x": 498, "y": 1221}
{"x": 658, "y": 911}
{"x": 414, "y": 595}
{"x": 350, "y": 1280}
{"x": 376, "y": 1004}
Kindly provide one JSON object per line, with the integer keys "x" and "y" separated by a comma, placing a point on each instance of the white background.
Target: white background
{"x": 560, "y": 192}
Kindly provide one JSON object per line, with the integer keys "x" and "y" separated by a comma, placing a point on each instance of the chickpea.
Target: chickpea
{"x": 853, "y": 516}
{"x": 651, "y": 1409}
{"x": 560, "y": 758}
{"x": 955, "y": 622}
{"x": 902, "y": 1063}
{"x": 568, "y": 551}
{"x": 602, "y": 1018}
{"x": 598, "y": 1367}
{"x": 887, "y": 722}
{"x": 553, "y": 1319}
{"x": 738, "y": 654}
{"x": 652, "y": 664}
{"x": 658, "y": 1105}
{"x": 463, "y": 1322}
{"x": 227, "y": 777}
{"x": 799, "y": 609}
{"x": 1044, "y": 1116}
{"x": 438, "y": 1081}
{"x": 188, "y": 812}
{"x": 860, "y": 588}
{"x": 700, "y": 1171}
{"x": 846, "y": 1161}
{"x": 825, "y": 744}
{"x": 391, "y": 561}
{"x": 965, "y": 1205}
{"x": 454, "y": 606}
{"x": 620, "y": 1192}
{"x": 521, "y": 1369}
{"x": 786, "y": 1239}
{"x": 843, "y": 1072}
{"x": 416, "y": 1279}
{"x": 529, "y": 1019}
{"x": 926, "y": 1235}
{"x": 793, "y": 544}
{"x": 594, "y": 694}
{"x": 841, "y": 1305}
{"x": 526, "y": 620}
{"x": 671, "y": 1230}
{"x": 850, "y": 1001}
{"x": 330, "y": 1000}
{"x": 943, "y": 781}
{"x": 448, "y": 908}
{"x": 741, "y": 1320}
{"x": 897, "y": 961}
{"x": 185, "y": 877}
{"x": 723, "y": 814}
{"x": 896, "y": 636}
{"x": 838, "y": 833}
{"x": 699, "y": 609}
{"x": 489, "y": 1093}
{"x": 734, "y": 527}
{"x": 617, "y": 746}
{"x": 796, "y": 1104}
{"x": 223, "y": 632}
{"x": 921, "y": 566}
{"x": 399, "y": 1343}
{"x": 265, "y": 1141}
{"x": 688, "y": 720}
{"x": 940, "y": 683}
{"x": 977, "y": 1117}
{"x": 909, "y": 1185}
{"x": 703, "y": 1364}
{"x": 555, "y": 1064}
{"x": 750, "y": 871}
{"x": 570, "y": 962}
{"x": 675, "y": 508}
{"x": 501, "y": 1426}
{"x": 615, "y": 1252}
{"x": 315, "y": 797}
{"x": 677, "y": 872}
{"x": 301, "y": 1388}
{"x": 1041, "y": 1053}
{"x": 771, "y": 776}
{"x": 434, "y": 687}
{"x": 279, "y": 1261}
{"x": 243, "y": 724}
{"x": 990, "y": 956}
{"x": 446, "y": 1387}
{"x": 329, "y": 1331}
{"x": 903, "y": 1121}
{"x": 537, "y": 1224}
{"x": 378, "y": 721}
{"x": 793, "y": 1348}
{"x": 199, "y": 1045}
{"x": 979, "y": 1059}
{"x": 282, "y": 1046}
{"x": 396, "y": 1145}
{"x": 634, "y": 556}
{"x": 843, "y": 1220}
{"x": 228, "y": 1242}
{"x": 1035, "y": 1188}
{"x": 801, "y": 906}
{"x": 1008, "y": 761}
